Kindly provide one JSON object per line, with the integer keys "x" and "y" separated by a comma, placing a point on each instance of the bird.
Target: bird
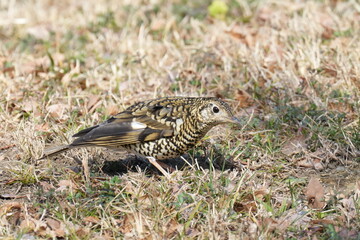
{"x": 156, "y": 129}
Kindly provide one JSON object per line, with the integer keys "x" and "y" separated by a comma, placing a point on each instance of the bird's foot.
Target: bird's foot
{"x": 159, "y": 167}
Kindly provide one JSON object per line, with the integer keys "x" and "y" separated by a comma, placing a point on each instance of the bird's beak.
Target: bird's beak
{"x": 234, "y": 120}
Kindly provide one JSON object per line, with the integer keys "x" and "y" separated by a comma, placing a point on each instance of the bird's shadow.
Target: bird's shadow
{"x": 134, "y": 164}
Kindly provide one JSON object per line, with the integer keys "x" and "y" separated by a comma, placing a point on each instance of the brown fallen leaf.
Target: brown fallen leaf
{"x": 245, "y": 206}
{"x": 315, "y": 194}
{"x": 293, "y": 216}
{"x": 10, "y": 207}
{"x": 46, "y": 186}
{"x": 11, "y": 213}
{"x": 64, "y": 184}
{"x": 57, "y": 110}
{"x": 269, "y": 224}
{"x": 330, "y": 70}
{"x": 56, "y": 227}
{"x": 126, "y": 225}
{"x": 171, "y": 229}
{"x": 343, "y": 107}
{"x": 92, "y": 103}
{"x": 346, "y": 233}
{"x": 311, "y": 163}
{"x": 348, "y": 208}
{"x": 82, "y": 232}
{"x": 27, "y": 225}
{"x": 35, "y": 65}
{"x": 66, "y": 79}
{"x": 30, "y": 105}
{"x": 44, "y": 127}
{"x": 260, "y": 193}
{"x": 91, "y": 219}
{"x": 245, "y": 100}
{"x": 52, "y": 223}
{"x": 264, "y": 14}
{"x": 295, "y": 145}
{"x": 246, "y": 35}
{"x": 249, "y": 201}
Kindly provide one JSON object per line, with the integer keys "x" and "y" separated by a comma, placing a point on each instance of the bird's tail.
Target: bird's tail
{"x": 55, "y": 150}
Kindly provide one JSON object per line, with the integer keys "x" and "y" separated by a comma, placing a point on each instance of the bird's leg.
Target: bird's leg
{"x": 157, "y": 165}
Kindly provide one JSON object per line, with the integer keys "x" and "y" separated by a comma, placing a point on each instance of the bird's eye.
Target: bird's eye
{"x": 215, "y": 109}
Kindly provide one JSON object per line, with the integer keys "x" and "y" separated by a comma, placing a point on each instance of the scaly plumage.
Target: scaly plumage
{"x": 161, "y": 128}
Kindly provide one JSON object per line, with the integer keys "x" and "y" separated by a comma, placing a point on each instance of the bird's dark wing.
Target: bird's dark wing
{"x": 129, "y": 127}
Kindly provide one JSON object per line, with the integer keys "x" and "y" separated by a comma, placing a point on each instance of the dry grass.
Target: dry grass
{"x": 291, "y": 69}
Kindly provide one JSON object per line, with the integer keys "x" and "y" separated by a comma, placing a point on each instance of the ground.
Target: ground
{"x": 289, "y": 69}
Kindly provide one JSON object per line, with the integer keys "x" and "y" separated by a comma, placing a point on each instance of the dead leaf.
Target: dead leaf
{"x": 249, "y": 201}
{"x": 82, "y": 232}
{"x": 60, "y": 232}
{"x": 27, "y": 225}
{"x": 348, "y": 208}
{"x": 46, "y": 186}
{"x": 343, "y": 107}
{"x": 328, "y": 24}
{"x": 236, "y": 34}
{"x": 30, "y": 106}
{"x": 10, "y": 207}
{"x": 330, "y": 70}
{"x": 66, "y": 79}
{"x": 295, "y": 145}
{"x": 192, "y": 233}
{"x": 126, "y": 225}
{"x": 327, "y": 33}
{"x": 35, "y": 65}
{"x": 11, "y": 213}
{"x": 311, "y": 163}
{"x": 171, "y": 229}
{"x": 91, "y": 219}
{"x": 52, "y": 223}
{"x": 44, "y": 127}
{"x": 245, "y": 206}
{"x": 245, "y": 34}
{"x": 264, "y": 14}
{"x": 57, "y": 111}
{"x": 64, "y": 184}
{"x": 92, "y": 103}
{"x": 346, "y": 233}
{"x": 293, "y": 216}
{"x": 56, "y": 227}
{"x": 269, "y": 224}
{"x": 315, "y": 194}
{"x": 245, "y": 100}
{"x": 260, "y": 193}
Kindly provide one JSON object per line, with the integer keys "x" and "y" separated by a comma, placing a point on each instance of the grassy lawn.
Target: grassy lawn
{"x": 289, "y": 69}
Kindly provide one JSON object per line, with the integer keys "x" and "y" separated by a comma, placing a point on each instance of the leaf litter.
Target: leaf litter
{"x": 265, "y": 55}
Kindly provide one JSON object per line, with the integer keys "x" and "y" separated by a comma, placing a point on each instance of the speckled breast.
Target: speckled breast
{"x": 163, "y": 148}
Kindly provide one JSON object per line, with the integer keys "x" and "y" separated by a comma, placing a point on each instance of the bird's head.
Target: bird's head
{"x": 214, "y": 111}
